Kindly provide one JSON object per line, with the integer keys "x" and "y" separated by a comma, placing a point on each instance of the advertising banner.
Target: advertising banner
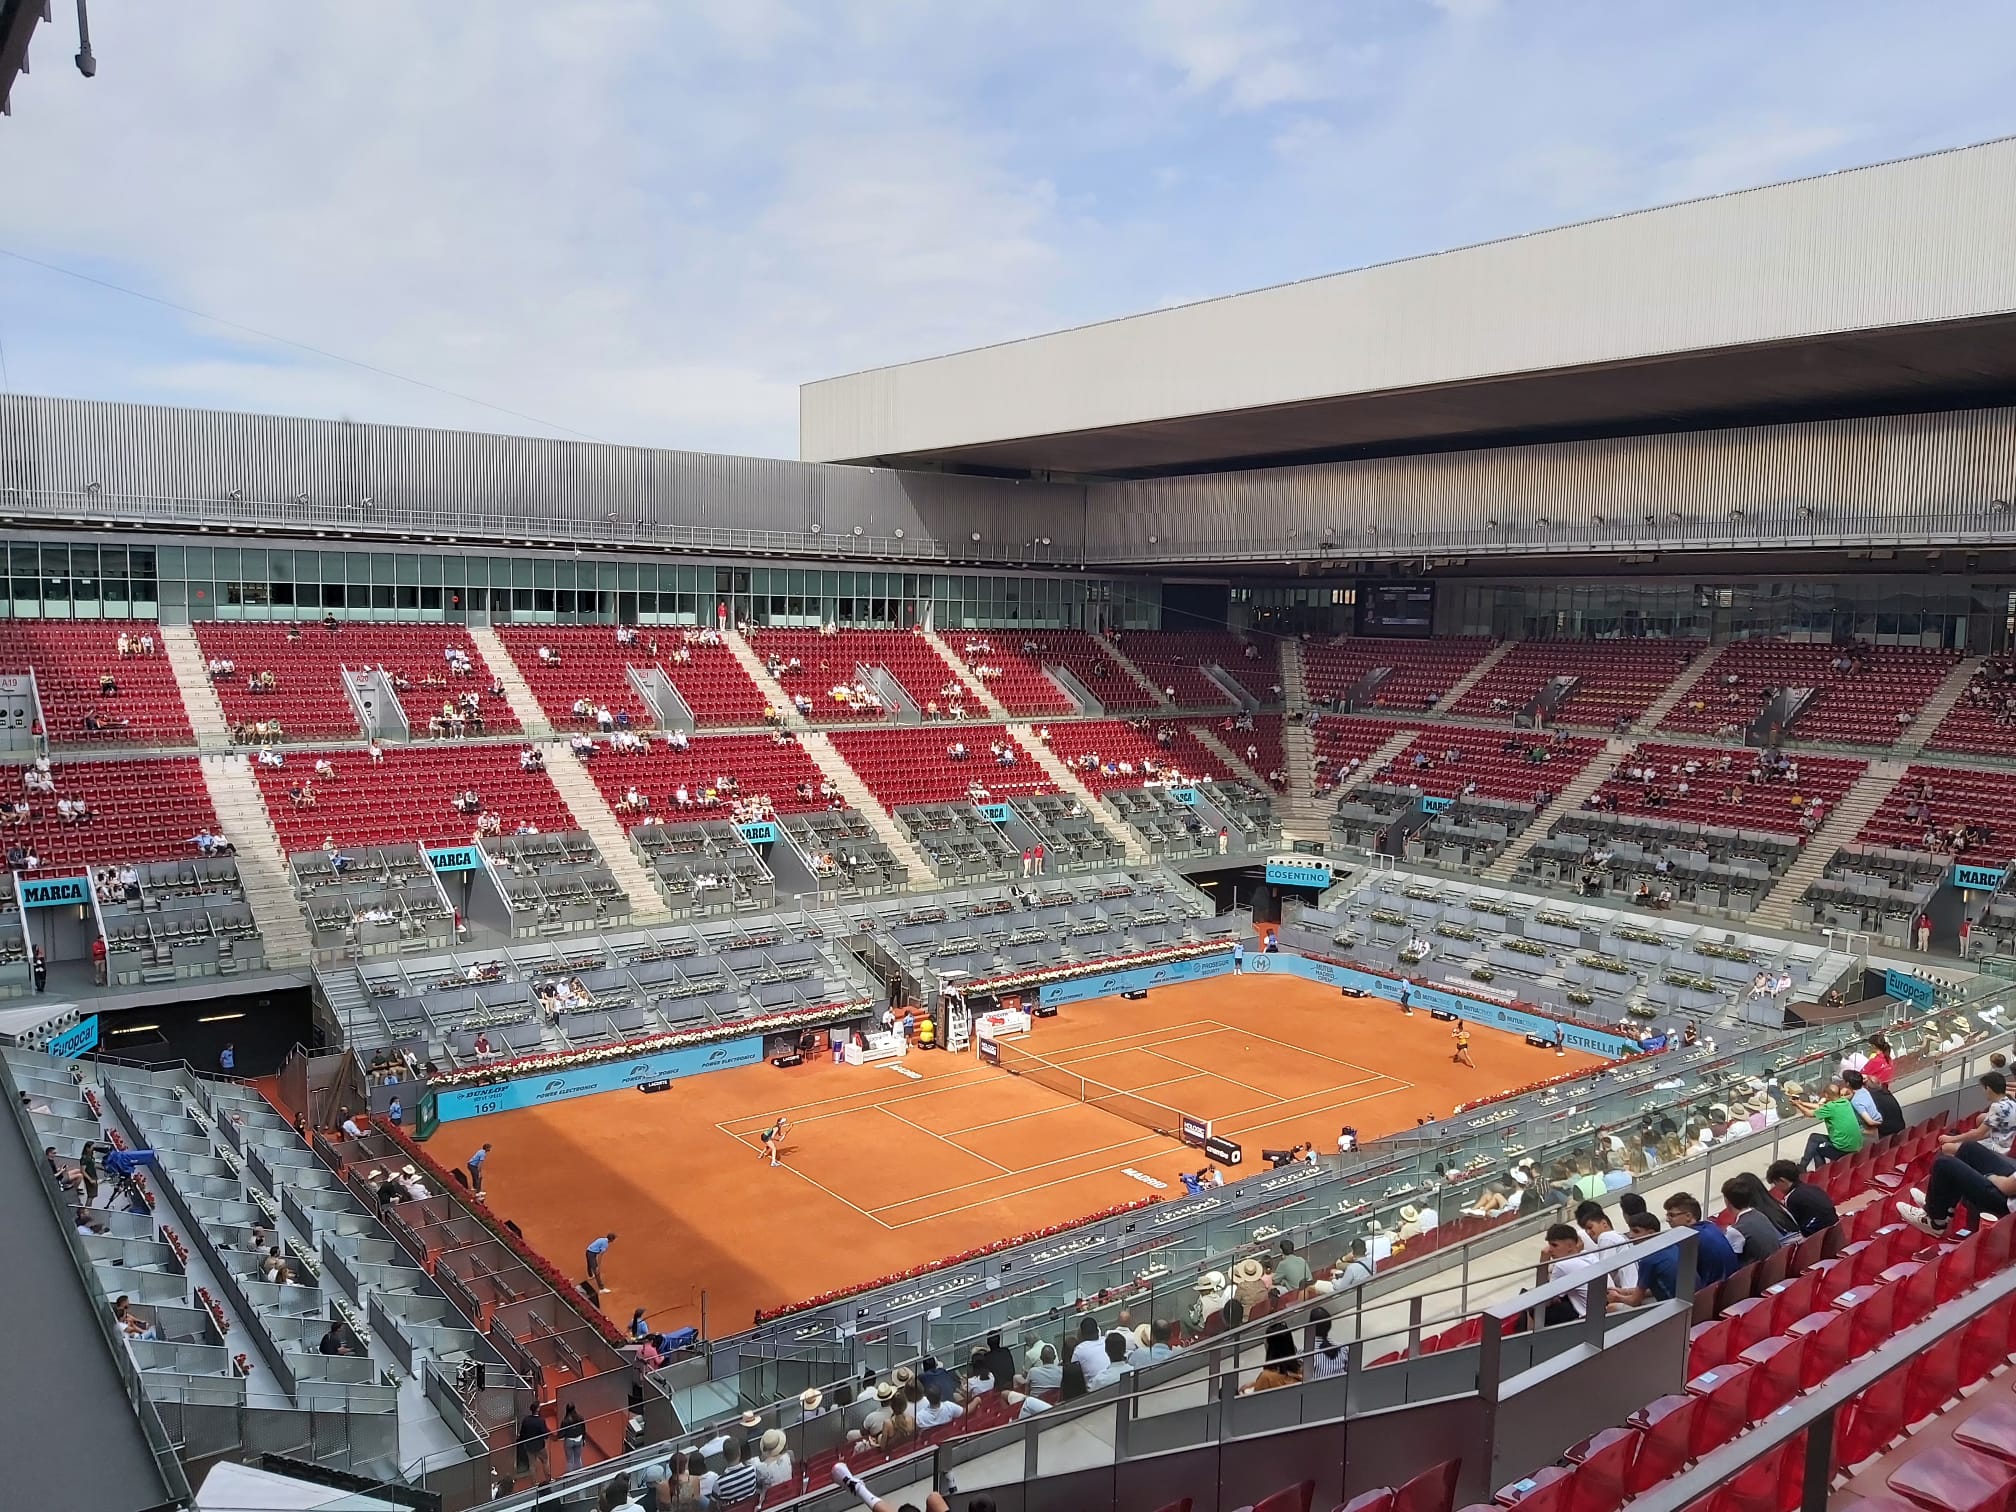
{"x": 50, "y": 892}
{"x": 995, "y": 813}
{"x": 76, "y": 1040}
{"x": 534, "y": 1090}
{"x": 762, "y": 832}
{"x": 1907, "y": 988}
{"x": 1286, "y": 873}
{"x": 456, "y": 858}
{"x": 1979, "y": 878}
{"x": 1186, "y": 795}
{"x": 1137, "y": 979}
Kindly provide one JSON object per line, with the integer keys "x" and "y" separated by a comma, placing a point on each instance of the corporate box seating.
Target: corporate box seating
{"x": 760, "y": 766}
{"x": 1165, "y": 746}
{"x": 1765, "y": 805}
{"x": 407, "y": 796}
{"x": 1422, "y": 671}
{"x": 1015, "y": 659}
{"x": 827, "y": 661}
{"x": 1175, "y": 659}
{"x": 1959, "y": 797}
{"x": 144, "y": 810}
{"x": 310, "y": 702}
{"x": 591, "y": 665}
{"x": 1869, "y": 704}
{"x": 907, "y": 766}
{"x": 1616, "y": 680}
{"x": 69, "y": 657}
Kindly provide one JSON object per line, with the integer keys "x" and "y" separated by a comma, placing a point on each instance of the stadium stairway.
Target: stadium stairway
{"x": 1127, "y": 664}
{"x": 262, "y": 867}
{"x": 1842, "y": 826}
{"x": 490, "y": 646}
{"x": 772, "y": 690}
{"x": 199, "y": 696}
{"x": 1304, "y": 816}
{"x": 857, "y": 795}
{"x": 1294, "y": 680}
{"x": 585, "y": 802}
{"x": 1233, "y": 763}
{"x": 1938, "y": 706}
{"x": 1566, "y": 802}
{"x": 1690, "y": 674}
{"x": 993, "y": 705}
{"x": 1473, "y": 677}
{"x": 1068, "y": 781}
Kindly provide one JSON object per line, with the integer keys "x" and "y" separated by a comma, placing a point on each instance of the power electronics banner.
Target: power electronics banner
{"x": 610, "y": 1076}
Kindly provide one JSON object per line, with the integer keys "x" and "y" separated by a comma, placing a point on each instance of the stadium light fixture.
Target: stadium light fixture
{"x": 366, "y": 502}
{"x": 1999, "y": 506}
{"x": 1595, "y": 519}
{"x": 976, "y": 535}
{"x": 899, "y": 532}
{"x": 1046, "y": 540}
{"x": 92, "y": 489}
{"x": 301, "y": 497}
{"x": 1543, "y": 522}
{"x": 857, "y": 530}
{"x": 236, "y": 495}
{"x": 1735, "y": 516}
{"x": 1490, "y": 524}
{"x": 817, "y": 528}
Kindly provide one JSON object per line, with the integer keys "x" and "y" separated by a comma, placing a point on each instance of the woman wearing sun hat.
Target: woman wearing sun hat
{"x": 775, "y": 1464}
{"x": 1249, "y": 1282}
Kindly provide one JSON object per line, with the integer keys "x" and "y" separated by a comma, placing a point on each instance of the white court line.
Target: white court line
{"x": 975, "y": 1154}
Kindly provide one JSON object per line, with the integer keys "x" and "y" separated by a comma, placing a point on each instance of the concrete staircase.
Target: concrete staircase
{"x": 1068, "y": 782}
{"x": 1304, "y": 816}
{"x": 1474, "y": 676}
{"x": 1233, "y": 762}
{"x": 965, "y": 675}
{"x": 1126, "y": 664}
{"x": 1566, "y": 802}
{"x": 199, "y": 694}
{"x": 1926, "y": 725}
{"x": 1294, "y": 681}
{"x": 1840, "y": 827}
{"x": 592, "y": 815}
{"x": 1661, "y": 706}
{"x": 856, "y": 795}
{"x": 262, "y": 868}
{"x": 773, "y": 690}
{"x": 531, "y": 718}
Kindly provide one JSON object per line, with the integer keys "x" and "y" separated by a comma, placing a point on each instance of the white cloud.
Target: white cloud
{"x": 650, "y": 223}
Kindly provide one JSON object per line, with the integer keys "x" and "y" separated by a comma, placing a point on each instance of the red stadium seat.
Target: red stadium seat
{"x": 1603, "y": 1465}
{"x": 1432, "y": 1490}
{"x": 68, "y": 658}
{"x": 1948, "y": 1478}
{"x": 1668, "y": 1439}
{"x": 1724, "y": 1394}
{"x": 1830, "y": 1337}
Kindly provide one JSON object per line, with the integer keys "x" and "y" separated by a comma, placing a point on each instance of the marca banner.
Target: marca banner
{"x": 1184, "y": 795}
{"x": 1434, "y": 805}
{"x": 50, "y": 892}
{"x": 1907, "y": 988}
{"x": 536, "y": 1090}
{"x": 995, "y": 813}
{"x": 456, "y": 858}
{"x": 75, "y": 1040}
{"x": 762, "y": 832}
{"x": 1979, "y": 878}
{"x": 1295, "y": 871}
{"x": 1440, "y": 1000}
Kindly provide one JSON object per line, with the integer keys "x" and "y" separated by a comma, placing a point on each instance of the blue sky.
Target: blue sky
{"x": 650, "y": 222}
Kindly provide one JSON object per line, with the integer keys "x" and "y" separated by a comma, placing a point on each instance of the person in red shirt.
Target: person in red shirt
{"x": 1878, "y": 1068}
{"x": 98, "y": 961}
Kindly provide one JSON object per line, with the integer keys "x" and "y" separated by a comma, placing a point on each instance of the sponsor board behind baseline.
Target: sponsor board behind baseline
{"x": 1261, "y": 963}
{"x": 534, "y": 1090}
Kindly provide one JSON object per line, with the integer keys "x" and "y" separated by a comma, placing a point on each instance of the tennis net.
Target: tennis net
{"x": 1157, "y": 1118}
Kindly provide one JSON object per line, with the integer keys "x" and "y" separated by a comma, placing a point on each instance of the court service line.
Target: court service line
{"x": 1144, "y": 1137}
{"x": 968, "y": 1077}
{"x": 944, "y": 1139}
{"x": 1334, "y": 1060}
{"x": 1349, "y": 1102}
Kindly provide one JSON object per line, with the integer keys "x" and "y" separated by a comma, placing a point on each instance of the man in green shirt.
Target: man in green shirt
{"x": 1291, "y": 1271}
{"x": 1840, "y": 1131}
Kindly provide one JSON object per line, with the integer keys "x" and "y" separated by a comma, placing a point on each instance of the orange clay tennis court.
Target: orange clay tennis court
{"x": 882, "y": 1171}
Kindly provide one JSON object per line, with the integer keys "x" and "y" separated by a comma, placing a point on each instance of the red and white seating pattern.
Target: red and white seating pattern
{"x": 1765, "y": 806}
{"x": 1341, "y": 739}
{"x": 1616, "y": 679}
{"x": 1983, "y": 722}
{"x": 145, "y": 810}
{"x": 910, "y": 766}
{"x": 310, "y": 702}
{"x": 758, "y": 765}
{"x": 1174, "y": 659}
{"x": 1859, "y": 707}
{"x": 1020, "y": 685}
{"x": 1481, "y": 758}
{"x": 408, "y": 796}
{"x": 1959, "y": 797}
{"x": 68, "y": 658}
{"x": 827, "y": 661}
{"x": 593, "y": 666}
{"x": 1423, "y": 670}
{"x": 1115, "y": 740}
{"x": 1085, "y": 657}
{"x": 1267, "y": 752}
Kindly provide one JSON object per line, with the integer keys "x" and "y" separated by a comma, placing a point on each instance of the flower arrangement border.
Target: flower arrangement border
{"x": 492, "y": 1072}
{"x": 963, "y": 1257}
{"x": 1014, "y": 981}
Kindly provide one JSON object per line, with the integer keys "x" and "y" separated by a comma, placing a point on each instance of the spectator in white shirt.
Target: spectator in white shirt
{"x": 1116, "y": 1364}
{"x": 935, "y": 1412}
{"x": 1325, "y": 1358}
{"x": 1569, "y": 1256}
{"x": 1601, "y": 1235}
{"x": 1089, "y": 1354}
